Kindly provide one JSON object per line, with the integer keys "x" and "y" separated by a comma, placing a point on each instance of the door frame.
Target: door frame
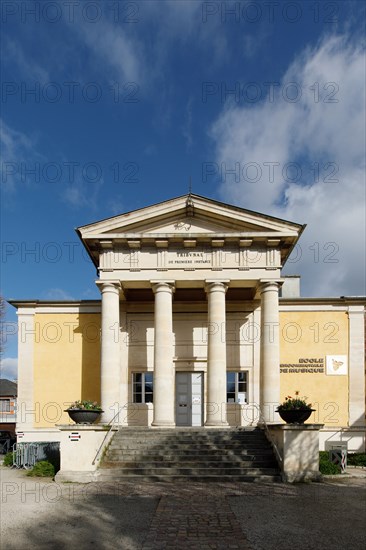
{"x": 191, "y": 397}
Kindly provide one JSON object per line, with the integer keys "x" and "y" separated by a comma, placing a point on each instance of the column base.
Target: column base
{"x": 163, "y": 425}
{"x": 215, "y": 424}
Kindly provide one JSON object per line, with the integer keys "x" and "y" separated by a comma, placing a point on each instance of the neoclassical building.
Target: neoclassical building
{"x": 195, "y": 327}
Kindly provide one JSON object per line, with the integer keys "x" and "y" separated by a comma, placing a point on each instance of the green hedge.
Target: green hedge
{"x": 8, "y": 459}
{"x": 356, "y": 459}
{"x": 43, "y": 468}
{"x": 327, "y": 467}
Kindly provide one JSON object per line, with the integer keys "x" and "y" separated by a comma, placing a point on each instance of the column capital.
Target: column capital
{"x": 269, "y": 284}
{"x": 213, "y": 285}
{"x": 109, "y": 286}
{"x": 167, "y": 286}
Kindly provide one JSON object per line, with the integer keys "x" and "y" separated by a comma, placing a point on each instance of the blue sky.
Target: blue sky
{"x": 111, "y": 106}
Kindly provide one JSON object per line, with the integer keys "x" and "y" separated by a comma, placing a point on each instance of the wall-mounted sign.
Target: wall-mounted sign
{"x": 336, "y": 364}
{"x": 310, "y": 365}
{"x": 242, "y": 398}
{"x": 190, "y": 258}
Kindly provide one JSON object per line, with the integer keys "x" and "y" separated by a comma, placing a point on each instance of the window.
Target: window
{"x": 142, "y": 387}
{"x": 5, "y": 405}
{"x": 236, "y": 387}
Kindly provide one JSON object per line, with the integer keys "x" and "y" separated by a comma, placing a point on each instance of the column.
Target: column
{"x": 270, "y": 350}
{"x": 356, "y": 365}
{"x": 164, "y": 390}
{"x": 216, "y": 354}
{"x": 110, "y": 352}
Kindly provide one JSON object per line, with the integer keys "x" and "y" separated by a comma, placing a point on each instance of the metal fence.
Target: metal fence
{"x": 27, "y": 454}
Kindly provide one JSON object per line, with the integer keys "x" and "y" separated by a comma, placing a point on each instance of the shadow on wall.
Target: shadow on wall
{"x": 89, "y": 331}
{"x": 347, "y": 439}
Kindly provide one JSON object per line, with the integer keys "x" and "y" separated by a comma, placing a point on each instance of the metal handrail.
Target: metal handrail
{"x": 269, "y": 437}
{"x": 110, "y": 424}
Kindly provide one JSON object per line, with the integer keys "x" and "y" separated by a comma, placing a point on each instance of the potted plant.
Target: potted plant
{"x": 295, "y": 410}
{"x": 84, "y": 411}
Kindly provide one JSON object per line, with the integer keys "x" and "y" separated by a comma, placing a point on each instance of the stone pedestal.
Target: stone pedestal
{"x": 79, "y": 445}
{"x": 298, "y": 446}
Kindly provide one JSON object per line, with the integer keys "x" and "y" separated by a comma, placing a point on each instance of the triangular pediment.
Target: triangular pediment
{"x": 191, "y": 217}
{"x": 181, "y": 223}
{"x": 188, "y": 214}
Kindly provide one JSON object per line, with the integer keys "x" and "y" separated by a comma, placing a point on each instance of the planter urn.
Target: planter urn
{"x": 295, "y": 416}
{"x": 84, "y": 416}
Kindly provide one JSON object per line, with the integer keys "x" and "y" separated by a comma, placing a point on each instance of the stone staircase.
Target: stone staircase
{"x": 197, "y": 454}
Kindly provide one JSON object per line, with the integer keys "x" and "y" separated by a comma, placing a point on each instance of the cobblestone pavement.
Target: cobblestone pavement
{"x": 39, "y": 514}
{"x": 195, "y": 523}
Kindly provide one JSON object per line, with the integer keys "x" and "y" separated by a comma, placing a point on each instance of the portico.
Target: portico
{"x": 184, "y": 286}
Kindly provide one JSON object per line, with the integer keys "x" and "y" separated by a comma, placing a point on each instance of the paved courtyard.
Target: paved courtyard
{"x": 40, "y": 514}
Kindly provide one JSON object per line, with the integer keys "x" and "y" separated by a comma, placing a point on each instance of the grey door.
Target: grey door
{"x": 189, "y": 398}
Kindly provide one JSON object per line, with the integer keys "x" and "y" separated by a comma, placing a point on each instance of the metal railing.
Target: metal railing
{"x": 262, "y": 421}
{"x": 25, "y": 455}
{"x": 111, "y": 425}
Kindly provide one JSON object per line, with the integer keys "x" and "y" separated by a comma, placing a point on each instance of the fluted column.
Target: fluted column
{"x": 163, "y": 355}
{"x": 110, "y": 348}
{"x": 216, "y": 354}
{"x": 270, "y": 350}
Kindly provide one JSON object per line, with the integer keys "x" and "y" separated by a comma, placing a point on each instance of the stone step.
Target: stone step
{"x": 185, "y": 453}
{"x": 156, "y": 478}
{"x": 114, "y": 455}
{"x": 193, "y": 454}
{"x": 200, "y": 432}
{"x": 188, "y": 471}
{"x": 189, "y": 445}
{"x": 197, "y": 439}
{"x": 191, "y": 435}
{"x": 133, "y": 430}
{"x": 110, "y": 463}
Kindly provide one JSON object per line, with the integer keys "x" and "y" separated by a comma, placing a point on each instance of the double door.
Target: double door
{"x": 189, "y": 398}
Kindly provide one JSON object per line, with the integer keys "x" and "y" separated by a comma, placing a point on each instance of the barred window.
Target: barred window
{"x": 4, "y": 405}
{"x": 236, "y": 387}
{"x": 142, "y": 387}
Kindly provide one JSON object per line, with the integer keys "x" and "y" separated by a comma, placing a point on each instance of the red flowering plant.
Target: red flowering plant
{"x": 294, "y": 403}
{"x": 85, "y": 405}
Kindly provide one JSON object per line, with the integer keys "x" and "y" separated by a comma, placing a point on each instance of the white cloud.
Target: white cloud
{"x": 9, "y": 368}
{"x": 115, "y": 50}
{"x": 12, "y": 144}
{"x": 311, "y": 132}
{"x": 17, "y": 151}
{"x": 144, "y": 51}
{"x": 82, "y": 194}
{"x": 187, "y": 125}
{"x": 57, "y": 294}
{"x": 15, "y": 55}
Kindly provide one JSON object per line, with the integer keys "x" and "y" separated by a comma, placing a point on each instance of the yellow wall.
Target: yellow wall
{"x": 320, "y": 334}
{"x": 66, "y": 363}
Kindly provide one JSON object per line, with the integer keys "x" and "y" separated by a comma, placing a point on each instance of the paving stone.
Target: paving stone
{"x": 205, "y": 524}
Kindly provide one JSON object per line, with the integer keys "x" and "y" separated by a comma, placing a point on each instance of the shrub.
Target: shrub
{"x": 356, "y": 459}
{"x": 43, "y": 468}
{"x": 327, "y": 467}
{"x": 8, "y": 459}
{"x": 52, "y": 452}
